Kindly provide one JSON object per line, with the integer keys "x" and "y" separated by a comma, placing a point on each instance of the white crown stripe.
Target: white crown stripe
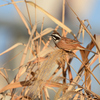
{"x": 56, "y": 35}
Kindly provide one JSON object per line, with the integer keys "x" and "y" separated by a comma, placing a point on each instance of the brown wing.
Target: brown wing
{"x": 70, "y": 41}
{"x": 69, "y": 44}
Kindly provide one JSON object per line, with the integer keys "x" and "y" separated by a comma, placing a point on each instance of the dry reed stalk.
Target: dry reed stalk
{"x": 45, "y": 72}
{"x": 11, "y": 3}
{"x": 24, "y": 55}
{"x": 28, "y": 14}
{"x": 63, "y": 16}
{"x": 85, "y": 27}
{"x": 51, "y": 17}
{"x": 22, "y": 17}
{"x": 46, "y": 63}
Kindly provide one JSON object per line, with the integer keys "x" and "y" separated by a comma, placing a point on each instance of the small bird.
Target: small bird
{"x": 66, "y": 43}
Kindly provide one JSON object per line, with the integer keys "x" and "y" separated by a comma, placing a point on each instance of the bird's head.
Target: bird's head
{"x": 56, "y": 36}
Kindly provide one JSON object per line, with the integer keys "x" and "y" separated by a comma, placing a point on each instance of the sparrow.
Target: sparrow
{"x": 67, "y": 44}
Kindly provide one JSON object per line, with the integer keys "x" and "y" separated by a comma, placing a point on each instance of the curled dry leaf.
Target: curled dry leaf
{"x": 11, "y": 48}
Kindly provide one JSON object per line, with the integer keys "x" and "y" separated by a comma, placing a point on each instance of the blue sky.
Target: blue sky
{"x": 8, "y": 15}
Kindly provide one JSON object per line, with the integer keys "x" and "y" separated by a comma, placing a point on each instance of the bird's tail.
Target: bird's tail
{"x": 82, "y": 48}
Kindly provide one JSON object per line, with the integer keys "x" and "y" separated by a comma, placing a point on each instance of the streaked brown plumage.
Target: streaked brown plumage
{"x": 66, "y": 43}
{"x": 69, "y": 44}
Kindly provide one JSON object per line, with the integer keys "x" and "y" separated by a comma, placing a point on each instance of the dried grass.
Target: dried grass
{"x": 42, "y": 71}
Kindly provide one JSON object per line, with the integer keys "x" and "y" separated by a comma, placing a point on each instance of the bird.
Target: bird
{"x": 67, "y": 44}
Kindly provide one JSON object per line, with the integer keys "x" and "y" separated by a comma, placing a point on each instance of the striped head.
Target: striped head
{"x": 56, "y": 36}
